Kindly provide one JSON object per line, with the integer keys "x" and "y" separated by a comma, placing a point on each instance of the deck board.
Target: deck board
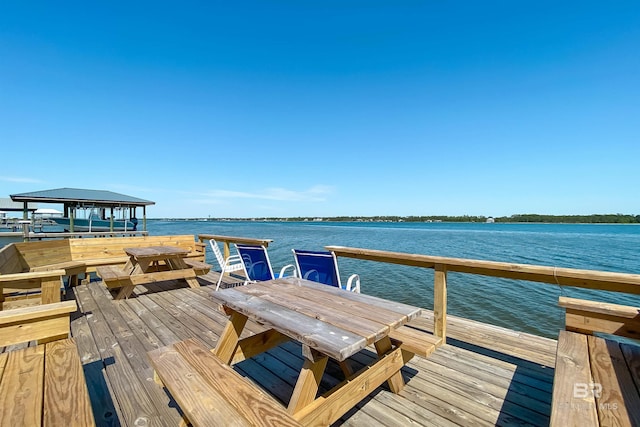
{"x": 485, "y": 375}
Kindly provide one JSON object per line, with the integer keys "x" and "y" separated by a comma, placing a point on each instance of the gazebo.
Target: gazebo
{"x": 76, "y": 198}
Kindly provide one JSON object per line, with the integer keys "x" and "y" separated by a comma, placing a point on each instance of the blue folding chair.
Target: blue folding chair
{"x": 322, "y": 267}
{"x": 257, "y": 267}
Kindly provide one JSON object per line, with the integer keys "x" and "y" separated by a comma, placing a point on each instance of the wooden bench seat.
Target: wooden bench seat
{"x": 71, "y": 265}
{"x": 201, "y": 268}
{"x": 211, "y": 393}
{"x": 71, "y": 269}
{"x": 113, "y": 276}
{"x": 42, "y": 384}
{"x": 416, "y": 341}
{"x": 95, "y": 262}
{"x": 596, "y": 376}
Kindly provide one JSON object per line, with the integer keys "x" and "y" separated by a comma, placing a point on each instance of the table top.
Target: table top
{"x": 155, "y": 251}
{"x": 332, "y": 321}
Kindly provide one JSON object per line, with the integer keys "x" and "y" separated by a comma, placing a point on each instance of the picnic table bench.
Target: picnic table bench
{"x": 596, "y": 377}
{"x": 211, "y": 393}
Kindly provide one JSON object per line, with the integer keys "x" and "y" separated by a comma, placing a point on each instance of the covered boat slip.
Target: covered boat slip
{"x": 484, "y": 375}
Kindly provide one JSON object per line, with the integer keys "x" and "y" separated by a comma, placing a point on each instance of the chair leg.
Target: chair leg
{"x": 220, "y": 279}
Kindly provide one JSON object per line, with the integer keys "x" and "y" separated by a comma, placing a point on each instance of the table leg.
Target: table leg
{"x": 178, "y": 263}
{"x": 133, "y": 267}
{"x": 395, "y": 381}
{"x": 141, "y": 266}
{"x": 175, "y": 263}
{"x": 310, "y": 376}
{"x": 346, "y": 367}
{"x": 228, "y": 341}
{"x": 130, "y": 265}
{"x": 124, "y": 292}
{"x": 192, "y": 282}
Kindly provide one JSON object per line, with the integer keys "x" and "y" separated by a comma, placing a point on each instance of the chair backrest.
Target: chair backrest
{"x": 256, "y": 262}
{"x": 321, "y": 267}
{"x": 217, "y": 252}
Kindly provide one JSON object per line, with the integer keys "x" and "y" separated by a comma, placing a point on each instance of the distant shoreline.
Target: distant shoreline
{"x": 513, "y": 219}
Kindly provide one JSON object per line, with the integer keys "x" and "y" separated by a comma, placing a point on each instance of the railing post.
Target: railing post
{"x": 440, "y": 302}
{"x": 227, "y": 250}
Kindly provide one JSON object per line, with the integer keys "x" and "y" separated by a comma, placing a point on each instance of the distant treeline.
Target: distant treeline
{"x": 566, "y": 219}
{"x": 583, "y": 219}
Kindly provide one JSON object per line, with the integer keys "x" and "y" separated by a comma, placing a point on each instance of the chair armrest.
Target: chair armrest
{"x": 32, "y": 275}
{"x": 285, "y": 268}
{"x": 233, "y": 258}
{"x": 352, "y": 288}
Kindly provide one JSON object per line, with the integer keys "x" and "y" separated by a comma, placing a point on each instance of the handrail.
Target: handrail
{"x": 590, "y": 279}
{"x": 67, "y": 235}
{"x": 227, "y": 240}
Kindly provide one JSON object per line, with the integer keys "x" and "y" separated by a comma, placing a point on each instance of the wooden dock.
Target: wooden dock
{"x": 484, "y": 375}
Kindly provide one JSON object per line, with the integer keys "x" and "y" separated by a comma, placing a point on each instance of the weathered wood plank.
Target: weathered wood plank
{"x": 195, "y": 323}
{"x": 21, "y": 389}
{"x": 573, "y": 367}
{"x": 335, "y": 302}
{"x": 539, "y": 351}
{"x": 131, "y": 346}
{"x": 134, "y": 404}
{"x": 104, "y": 410}
{"x": 382, "y": 304}
{"x": 66, "y": 398}
{"x": 331, "y": 340}
{"x": 526, "y": 386}
{"x": 327, "y": 311}
{"x": 615, "y": 392}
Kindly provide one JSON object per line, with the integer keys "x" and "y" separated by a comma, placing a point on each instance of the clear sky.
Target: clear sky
{"x": 326, "y": 108}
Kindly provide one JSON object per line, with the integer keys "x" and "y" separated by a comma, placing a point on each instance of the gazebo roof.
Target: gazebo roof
{"x": 7, "y": 205}
{"x": 78, "y": 197}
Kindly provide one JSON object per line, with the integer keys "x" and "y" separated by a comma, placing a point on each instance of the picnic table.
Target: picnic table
{"x": 152, "y": 264}
{"x": 329, "y": 323}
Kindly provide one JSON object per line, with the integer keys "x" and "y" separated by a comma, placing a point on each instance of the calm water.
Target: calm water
{"x": 525, "y": 306}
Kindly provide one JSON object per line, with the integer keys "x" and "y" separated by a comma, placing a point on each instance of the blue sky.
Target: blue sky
{"x": 289, "y": 108}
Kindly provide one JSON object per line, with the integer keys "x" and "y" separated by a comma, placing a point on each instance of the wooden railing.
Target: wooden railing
{"x": 65, "y": 235}
{"x": 227, "y": 240}
{"x": 589, "y": 279}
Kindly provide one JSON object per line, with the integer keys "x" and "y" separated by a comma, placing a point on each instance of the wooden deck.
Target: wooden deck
{"x": 484, "y": 375}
